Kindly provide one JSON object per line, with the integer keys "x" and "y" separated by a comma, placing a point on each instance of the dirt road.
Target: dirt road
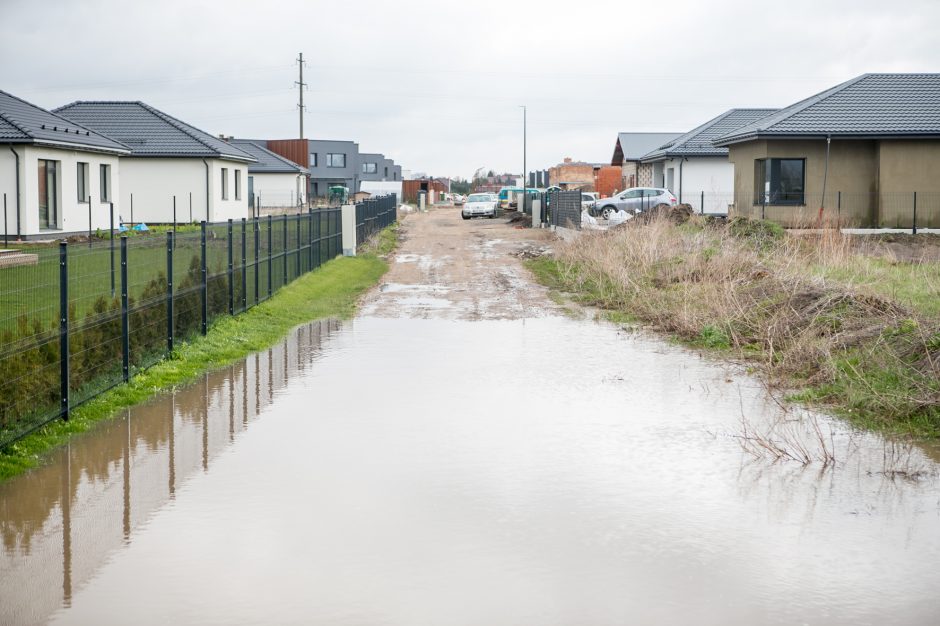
{"x": 451, "y": 268}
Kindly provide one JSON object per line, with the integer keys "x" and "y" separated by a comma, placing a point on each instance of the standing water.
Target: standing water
{"x": 415, "y": 471}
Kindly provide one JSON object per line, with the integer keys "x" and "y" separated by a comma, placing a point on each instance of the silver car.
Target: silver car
{"x": 634, "y": 200}
{"x": 479, "y": 205}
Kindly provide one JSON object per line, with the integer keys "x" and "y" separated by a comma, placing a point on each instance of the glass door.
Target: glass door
{"x": 48, "y": 195}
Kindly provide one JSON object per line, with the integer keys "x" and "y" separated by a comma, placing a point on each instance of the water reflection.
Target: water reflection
{"x": 541, "y": 471}
{"x": 88, "y": 500}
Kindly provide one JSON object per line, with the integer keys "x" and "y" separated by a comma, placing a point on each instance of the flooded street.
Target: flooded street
{"x": 464, "y": 454}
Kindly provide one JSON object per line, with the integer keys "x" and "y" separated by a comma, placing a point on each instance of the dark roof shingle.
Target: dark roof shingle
{"x": 870, "y": 105}
{"x": 267, "y": 162}
{"x": 23, "y": 122}
{"x": 149, "y": 132}
{"x": 698, "y": 141}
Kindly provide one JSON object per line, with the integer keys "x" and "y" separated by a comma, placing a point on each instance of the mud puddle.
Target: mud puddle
{"x": 409, "y": 471}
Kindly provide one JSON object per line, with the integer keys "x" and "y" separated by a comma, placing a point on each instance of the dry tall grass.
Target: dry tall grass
{"x": 771, "y": 297}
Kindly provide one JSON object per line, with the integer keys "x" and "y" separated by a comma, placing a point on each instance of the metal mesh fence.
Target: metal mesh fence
{"x": 564, "y": 209}
{"x": 77, "y": 319}
{"x": 373, "y": 215}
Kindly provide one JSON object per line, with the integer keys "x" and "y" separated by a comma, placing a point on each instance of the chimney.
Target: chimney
{"x": 567, "y": 160}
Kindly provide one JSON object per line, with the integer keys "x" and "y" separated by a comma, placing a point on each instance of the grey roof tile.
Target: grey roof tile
{"x": 698, "y": 141}
{"x": 23, "y": 122}
{"x": 870, "y": 105}
{"x": 634, "y": 145}
{"x": 149, "y": 132}
{"x": 267, "y": 162}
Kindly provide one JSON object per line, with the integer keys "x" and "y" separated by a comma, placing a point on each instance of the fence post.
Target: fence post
{"x": 231, "y": 271}
{"x": 257, "y": 229}
{"x": 125, "y": 315}
{"x": 838, "y": 209}
{"x": 914, "y": 222}
{"x": 204, "y": 276}
{"x": 112, "y": 247}
{"x": 190, "y": 207}
{"x": 284, "y": 230}
{"x": 319, "y": 252}
{"x": 763, "y": 205}
{"x": 6, "y": 238}
{"x": 270, "y": 254}
{"x": 702, "y": 205}
{"x": 169, "y": 291}
{"x": 64, "y": 328}
{"x": 244, "y": 265}
{"x": 132, "y": 210}
{"x": 299, "y": 220}
{"x": 310, "y": 237}
{"x": 174, "y": 214}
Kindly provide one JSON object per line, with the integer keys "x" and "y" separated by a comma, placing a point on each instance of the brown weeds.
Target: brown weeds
{"x": 761, "y": 293}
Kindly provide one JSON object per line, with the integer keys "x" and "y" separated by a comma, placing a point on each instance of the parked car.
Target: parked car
{"x": 479, "y": 205}
{"x": 588, "y": 201}
{"x": 459, "y": 200}
{"x": 634, "y": 200}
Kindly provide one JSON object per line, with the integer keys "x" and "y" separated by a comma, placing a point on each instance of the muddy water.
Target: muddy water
{"x": 435, "y": 471}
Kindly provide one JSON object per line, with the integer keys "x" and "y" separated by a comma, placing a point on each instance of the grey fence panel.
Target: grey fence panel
{"x": 77, "y": 319}
{"x": 565, "y": 209}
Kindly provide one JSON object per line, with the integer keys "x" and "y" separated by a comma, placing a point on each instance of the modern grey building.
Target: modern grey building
{"x": 377, "y": 167}
{"x": 333, "y": 163}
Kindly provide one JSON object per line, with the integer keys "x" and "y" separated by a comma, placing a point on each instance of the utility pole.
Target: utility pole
{"x": 525, "y": 175}
{"x": 301, "y": 85}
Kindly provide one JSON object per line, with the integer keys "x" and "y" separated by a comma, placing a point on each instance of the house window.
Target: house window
{"x": 313, "y": 159}
{"x": 370, "y": 168}
{"x": 48, "y": 194}
{"x": 82, "y": 169}
{"x": 335, "y": 160}
{"x": 386, "y": 172}
{"x": 238, "y": 184}
{"x": 105, "y": 177}
{"x": 225, "y": 183}
{"x": 779, "y": 181}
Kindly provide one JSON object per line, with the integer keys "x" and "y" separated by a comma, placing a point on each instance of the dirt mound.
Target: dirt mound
{"x": 679, "y": 214}
{"x": 520, "y": 220}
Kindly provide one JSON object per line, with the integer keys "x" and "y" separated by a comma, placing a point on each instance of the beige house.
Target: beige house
{"x": 865, "y": 153}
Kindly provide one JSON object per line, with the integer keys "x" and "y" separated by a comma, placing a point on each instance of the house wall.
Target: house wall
{"x": 713, "y": 175}
{"x": 580, "y": 173}
{"x": 278, "y": 190}
{"x": 72, "y": 215}
{"x": 154, "y": 182}
{"x": 629, "y": 173}
{"x": 8, "y": 188}
{"x": 322, "y": 176}
{"x": 906, "y": 166}
{"x": 853, "y": 170}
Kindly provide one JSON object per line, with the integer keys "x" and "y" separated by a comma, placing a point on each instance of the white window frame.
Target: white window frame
{"x": 225, "y": 183}
{"x": 81, "y": 170}
{"x": 238, "y": 184}
{"x": 104, "y": 177}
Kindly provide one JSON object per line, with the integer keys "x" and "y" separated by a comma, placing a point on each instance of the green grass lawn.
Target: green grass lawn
{"x": 331, "y": 291}
{"x": 915, "y": 285}
{"x": 33, "y": 290}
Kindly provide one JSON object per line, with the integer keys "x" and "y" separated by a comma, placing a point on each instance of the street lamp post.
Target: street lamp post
{"x": 525, "y": 176}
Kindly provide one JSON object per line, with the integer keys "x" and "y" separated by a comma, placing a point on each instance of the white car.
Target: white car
{"x": 635, "y": 200}
{"x": 479, "y": 205}
{"x": 588, "y": 201}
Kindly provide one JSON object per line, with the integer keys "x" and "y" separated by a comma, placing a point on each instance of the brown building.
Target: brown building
{"x": 572, "y": 174}
{"x": 434, "y": 189}
{"x": 866, "y": 152}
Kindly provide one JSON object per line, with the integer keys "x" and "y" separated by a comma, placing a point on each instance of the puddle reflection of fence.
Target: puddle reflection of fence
{"x": 59, "y": 522}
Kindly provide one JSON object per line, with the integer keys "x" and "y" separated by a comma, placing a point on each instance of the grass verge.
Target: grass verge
{"x": 856, "y": 335}
{"x": 331, "y": 291}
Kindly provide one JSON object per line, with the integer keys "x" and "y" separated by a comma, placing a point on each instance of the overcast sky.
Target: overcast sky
{"x": 437, "y": 85}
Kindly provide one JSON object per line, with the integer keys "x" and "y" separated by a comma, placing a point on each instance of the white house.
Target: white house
{"x": 273, "y": 181}
{"x": 695, "y": 170}
{"x": 56, "y": 176}
{"x": 169, "y": 159}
